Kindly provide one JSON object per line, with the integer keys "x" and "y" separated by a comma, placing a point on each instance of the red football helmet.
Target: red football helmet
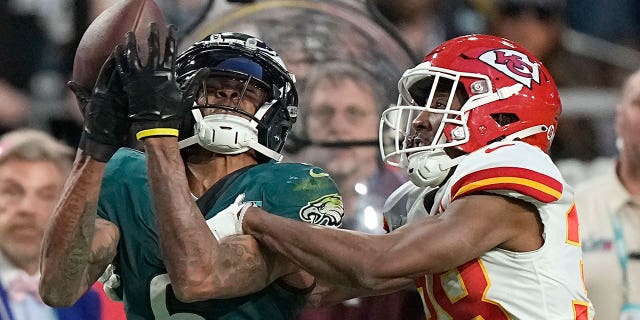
{"x": 509, "y": 95}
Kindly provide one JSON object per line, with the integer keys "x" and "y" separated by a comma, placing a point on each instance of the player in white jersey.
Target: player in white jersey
{"x": 487, "y": 229}
{"x": 512, "y": 169}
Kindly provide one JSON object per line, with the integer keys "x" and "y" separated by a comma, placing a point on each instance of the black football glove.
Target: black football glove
{"x": 156, "y": 104}
{"x": 106, "y": 126}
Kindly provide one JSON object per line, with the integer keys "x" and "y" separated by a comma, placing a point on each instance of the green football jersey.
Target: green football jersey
{"x": 296, "y": 191}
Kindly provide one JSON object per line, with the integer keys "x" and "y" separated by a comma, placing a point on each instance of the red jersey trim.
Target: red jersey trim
{"x": 527, "y": 182}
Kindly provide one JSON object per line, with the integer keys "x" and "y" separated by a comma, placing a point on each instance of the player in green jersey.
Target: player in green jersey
{"x": 212, "y": 123}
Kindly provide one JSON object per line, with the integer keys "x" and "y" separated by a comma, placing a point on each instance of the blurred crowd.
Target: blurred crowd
{"x": 39, "y": 38}
{"x": 355, "y": 49}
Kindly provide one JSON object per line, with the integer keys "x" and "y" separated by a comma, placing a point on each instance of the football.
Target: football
{"x": 109, "y": 29}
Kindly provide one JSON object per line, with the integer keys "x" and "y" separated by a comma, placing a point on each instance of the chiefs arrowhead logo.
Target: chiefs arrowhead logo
{"x": 516, "y": 65}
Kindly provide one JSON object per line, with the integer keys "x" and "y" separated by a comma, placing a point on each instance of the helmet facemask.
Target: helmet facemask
{"x": 225, "y": 127}
{"x": 421, "y": 90}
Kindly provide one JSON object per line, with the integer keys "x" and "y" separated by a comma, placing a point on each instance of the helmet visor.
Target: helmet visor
{"x": 222, "y": 62}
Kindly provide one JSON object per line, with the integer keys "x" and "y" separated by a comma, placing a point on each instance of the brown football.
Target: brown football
{"x": 109, "y": 29}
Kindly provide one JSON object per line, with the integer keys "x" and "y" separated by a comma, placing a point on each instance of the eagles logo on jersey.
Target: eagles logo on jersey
{"x": 327, "y": 211}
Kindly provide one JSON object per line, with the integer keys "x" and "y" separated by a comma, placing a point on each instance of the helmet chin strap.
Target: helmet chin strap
{"x": 430, "y": 168}
{"x": 226, "y": 134}
{"x": 519, "y": 135}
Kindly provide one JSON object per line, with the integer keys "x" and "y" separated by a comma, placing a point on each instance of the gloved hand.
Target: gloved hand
{"x": 228, "y": 222}
{"x": 106, "y": 126}
{"x": 156, "y": 103}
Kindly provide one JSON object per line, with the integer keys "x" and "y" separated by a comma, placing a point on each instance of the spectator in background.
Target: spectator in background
{"x": 37, "y": 43}
{"x": 342, "y": 128}
{"x": 609, "y": 209}
{"x": 417, "y": 20}
{"x": 617, "y": 21}
{"x": 570, "y": 145}
{"x": 13, "y": 106}
{"x": 539, "y": 26}
{"x": 18, "y": 62}
{"x": 33, "y": 169}
{"x": 424, "y": 24}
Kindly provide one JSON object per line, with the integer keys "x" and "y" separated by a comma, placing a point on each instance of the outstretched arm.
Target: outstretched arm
{"x": 332, "y": 255}
{"x": 468, "y": 229}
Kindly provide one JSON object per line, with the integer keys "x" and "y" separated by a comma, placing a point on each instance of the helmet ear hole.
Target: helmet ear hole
{"x": 503, "y": 119}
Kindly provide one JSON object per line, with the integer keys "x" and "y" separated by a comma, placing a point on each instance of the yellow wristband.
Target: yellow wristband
{"x": 156, "y": 132}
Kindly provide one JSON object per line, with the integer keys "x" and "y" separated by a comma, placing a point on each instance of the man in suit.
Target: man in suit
{"x": 33, "y": 169}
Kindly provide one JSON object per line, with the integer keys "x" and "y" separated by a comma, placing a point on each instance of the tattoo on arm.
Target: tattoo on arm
{"x": 199, "y": 267}
{"x": 241, "y": 265}
{"x": 69, "y": 262}
{"x": 81, "y": 240}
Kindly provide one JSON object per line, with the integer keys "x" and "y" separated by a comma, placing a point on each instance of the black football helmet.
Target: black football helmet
{"x": 240, "y": 55}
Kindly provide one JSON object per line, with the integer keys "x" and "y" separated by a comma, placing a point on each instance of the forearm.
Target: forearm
{"x": 186, "y": 241}
{"x": 335, "y": 256}
{"x": 199, "y": 266}
{"x": 72, "y": 257}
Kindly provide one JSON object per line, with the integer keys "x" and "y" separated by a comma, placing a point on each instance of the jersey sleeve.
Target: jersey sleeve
{"x": 514, "y": 169}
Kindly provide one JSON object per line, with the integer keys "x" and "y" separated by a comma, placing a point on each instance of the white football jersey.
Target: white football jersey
{"x": 543, "y": 284}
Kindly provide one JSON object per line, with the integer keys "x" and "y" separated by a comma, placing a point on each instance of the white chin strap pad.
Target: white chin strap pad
{"x": 227, "y": 134}
{"x": 430, "y": 168}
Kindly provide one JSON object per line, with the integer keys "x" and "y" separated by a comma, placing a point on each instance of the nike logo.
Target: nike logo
{"x": 489, "y": 150}
{"x": 317, "y": 175}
